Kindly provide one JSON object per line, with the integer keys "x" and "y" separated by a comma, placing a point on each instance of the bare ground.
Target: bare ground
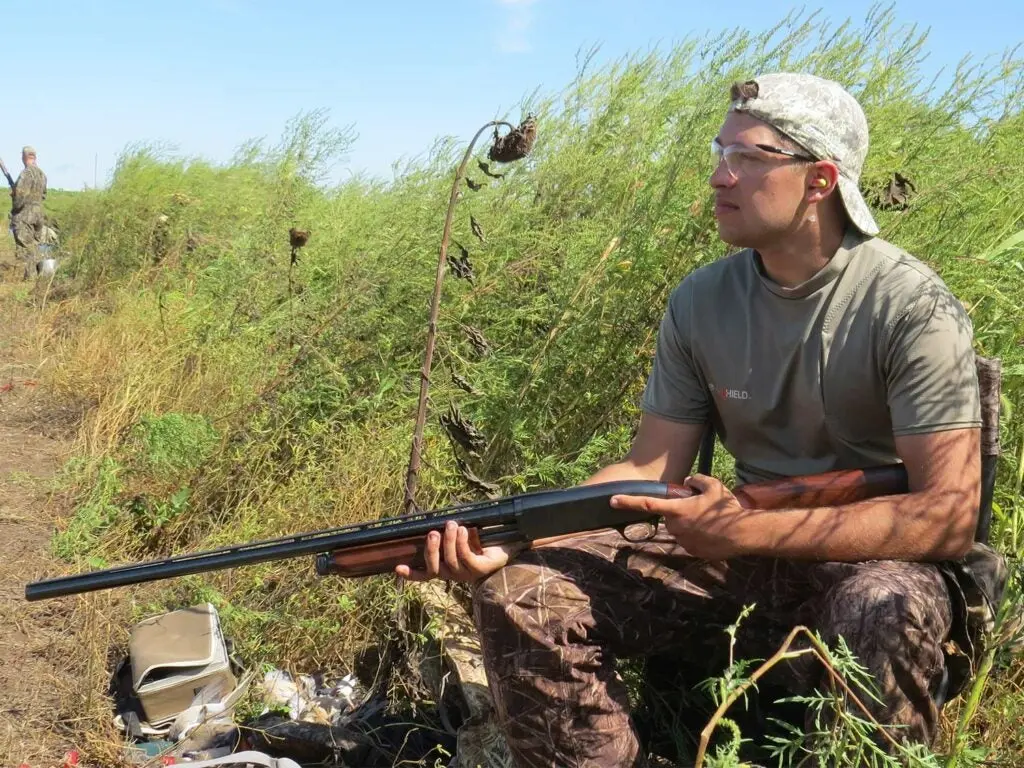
{"x": 35, "y": 638}
{"x": 29, "y": 633}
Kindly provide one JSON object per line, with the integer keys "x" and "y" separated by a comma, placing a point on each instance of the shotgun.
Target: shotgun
{"x": 10, "y": 179}
{"x": 367, "y": 549}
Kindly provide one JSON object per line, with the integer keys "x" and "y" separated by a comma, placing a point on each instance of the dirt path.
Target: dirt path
{"x": 33, "y": 636}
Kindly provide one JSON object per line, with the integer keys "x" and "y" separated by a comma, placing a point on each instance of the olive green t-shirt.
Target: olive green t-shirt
{"x": 821, "y": 376}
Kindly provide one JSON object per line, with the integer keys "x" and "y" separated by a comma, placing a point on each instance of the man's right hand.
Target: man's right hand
{"x": 451, "y": 555}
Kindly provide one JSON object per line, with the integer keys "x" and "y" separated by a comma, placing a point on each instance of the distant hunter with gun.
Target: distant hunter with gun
{"x": 27, "y": 219}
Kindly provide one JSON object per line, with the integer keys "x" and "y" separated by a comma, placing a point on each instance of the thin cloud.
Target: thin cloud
{"x": 518, "y": 20}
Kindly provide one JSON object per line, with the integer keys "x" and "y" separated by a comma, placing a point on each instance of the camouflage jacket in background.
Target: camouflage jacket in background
{"x": 29, "y": 189}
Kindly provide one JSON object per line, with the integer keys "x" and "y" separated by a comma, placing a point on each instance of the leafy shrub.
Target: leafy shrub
{"x": 94, "y": 514}
{"x": 173, "y": 442}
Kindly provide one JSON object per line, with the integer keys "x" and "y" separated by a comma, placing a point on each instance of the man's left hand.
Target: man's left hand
{"x": 707, "y": 524}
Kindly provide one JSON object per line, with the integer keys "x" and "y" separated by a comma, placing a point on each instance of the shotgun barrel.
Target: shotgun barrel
{"x": 524, "y": 517}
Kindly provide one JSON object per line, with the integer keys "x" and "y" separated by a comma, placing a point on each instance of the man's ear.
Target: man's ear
{"x": 821, "y": 181}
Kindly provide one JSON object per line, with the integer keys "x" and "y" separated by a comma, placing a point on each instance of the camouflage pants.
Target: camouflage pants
{"x": 554, "y": 622}
{"x": 28, "y": 229}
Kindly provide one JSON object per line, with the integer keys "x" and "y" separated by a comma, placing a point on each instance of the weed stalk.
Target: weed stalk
{"x": 782, "y": 654}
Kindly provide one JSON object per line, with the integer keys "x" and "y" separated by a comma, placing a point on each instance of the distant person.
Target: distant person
{"x": 27, "y": 220}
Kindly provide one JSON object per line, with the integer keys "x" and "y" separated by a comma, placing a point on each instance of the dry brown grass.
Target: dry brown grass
{"x": 126, "y": 366}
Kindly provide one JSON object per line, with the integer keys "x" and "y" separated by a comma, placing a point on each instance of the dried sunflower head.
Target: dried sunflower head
{"x": 516, "y": 144}
{"x": 297, "y": 237}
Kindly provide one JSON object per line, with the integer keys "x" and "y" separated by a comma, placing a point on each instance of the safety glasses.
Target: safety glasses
{"x": 745, "y": 158}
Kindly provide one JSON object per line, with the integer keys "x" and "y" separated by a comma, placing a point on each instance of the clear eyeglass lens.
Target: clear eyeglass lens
{"x": 717, "y": 150}
{"x": 733, "y": 156}
{"x": 719, "y": 153}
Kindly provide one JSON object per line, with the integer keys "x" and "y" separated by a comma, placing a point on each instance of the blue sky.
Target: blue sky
{"x": 205, "y": 75}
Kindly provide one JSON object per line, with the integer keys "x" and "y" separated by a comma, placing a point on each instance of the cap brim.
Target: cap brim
{"x": 856, "y": 207}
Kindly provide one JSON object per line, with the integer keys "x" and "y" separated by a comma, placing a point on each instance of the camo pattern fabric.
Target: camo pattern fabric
{"x": 29, "y": 189}
{"x": 27, "y": 226}
{"x": 553, "y": 622}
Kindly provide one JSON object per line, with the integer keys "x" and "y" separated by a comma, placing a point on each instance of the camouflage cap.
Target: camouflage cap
{"x": 28, "y": 151}
{"x": 823, "y": 118}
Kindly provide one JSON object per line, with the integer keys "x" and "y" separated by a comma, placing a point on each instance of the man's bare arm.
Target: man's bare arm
{"x": 934, "y": 521}
{"x": 663, "y": 451}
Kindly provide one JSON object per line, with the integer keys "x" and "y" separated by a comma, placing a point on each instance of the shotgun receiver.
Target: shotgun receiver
{"x": 377, "y": 547}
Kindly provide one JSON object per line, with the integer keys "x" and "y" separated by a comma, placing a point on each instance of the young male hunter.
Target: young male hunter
{"x": 817, "y": 347}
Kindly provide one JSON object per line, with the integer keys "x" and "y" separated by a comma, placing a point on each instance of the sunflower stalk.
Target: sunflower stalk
{"x": 512, "y": 146}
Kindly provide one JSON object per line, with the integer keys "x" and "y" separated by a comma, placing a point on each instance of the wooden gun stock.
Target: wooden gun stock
{"x": 373, "y": 559}
{"x": 824, "y": 490}
{"x": 830, "y": 489}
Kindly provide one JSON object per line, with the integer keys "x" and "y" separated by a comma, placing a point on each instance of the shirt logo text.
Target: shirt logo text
{"x": 730, "y": 394}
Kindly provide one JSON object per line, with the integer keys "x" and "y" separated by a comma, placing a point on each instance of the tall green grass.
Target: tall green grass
{"x": 180, "y": 310}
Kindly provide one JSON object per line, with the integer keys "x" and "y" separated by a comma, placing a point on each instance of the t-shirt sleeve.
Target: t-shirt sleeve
{"x": 931, "y": 379}
{"x": 675, "y": 388}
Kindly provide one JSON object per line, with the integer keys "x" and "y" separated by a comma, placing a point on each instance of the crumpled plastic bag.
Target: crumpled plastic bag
{"x": 208, "y": 724}
{"x": 210, "y": 703}
{"x": 308, "y": 699}
{"x": 246, "y": 760}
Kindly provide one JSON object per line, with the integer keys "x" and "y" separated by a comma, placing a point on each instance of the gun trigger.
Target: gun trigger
{"x": 635, "y": 533}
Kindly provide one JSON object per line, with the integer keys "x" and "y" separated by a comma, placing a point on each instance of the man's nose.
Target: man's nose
{"x": 722, "y": 177}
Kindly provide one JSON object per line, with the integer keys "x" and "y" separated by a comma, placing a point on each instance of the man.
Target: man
{"x": 817, "y": 347}
{"x": 27, "y": 220}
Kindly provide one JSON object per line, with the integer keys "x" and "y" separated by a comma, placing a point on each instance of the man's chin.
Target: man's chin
{"x": 733, "y": 236}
